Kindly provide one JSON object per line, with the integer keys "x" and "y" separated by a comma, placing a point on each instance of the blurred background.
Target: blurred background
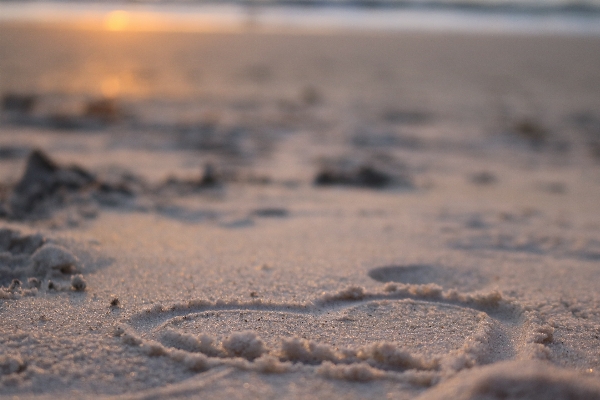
{"x": 230, "y": 79}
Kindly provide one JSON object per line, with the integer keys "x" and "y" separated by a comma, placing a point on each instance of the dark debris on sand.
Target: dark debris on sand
{"x": 103, "y": 110}
{"x": 42, "y": 179}
{"x": 209, "y": 178}
{"x": 47, "y": 186}
{"x": 531, "y": 130}
{"x": 271, "y": 212}
{"x": 95, "y": 113}
{"x": 483, "y": 178}
{"x": 19, "y": 103}
{"x": 236, "y": 141}
{"x": 407, "y": 117}
{"x": 8, "y": 152}
{"x": 365, "y": 176}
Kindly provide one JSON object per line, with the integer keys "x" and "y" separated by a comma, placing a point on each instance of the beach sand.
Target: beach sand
{"x": 299, "y": 215}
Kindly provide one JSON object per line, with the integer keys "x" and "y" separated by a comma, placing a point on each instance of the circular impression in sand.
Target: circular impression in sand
{"x": 421, "y": 327}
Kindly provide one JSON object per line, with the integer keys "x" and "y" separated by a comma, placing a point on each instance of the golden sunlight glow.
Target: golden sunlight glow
{"x": 117, "y": 20}
{"x": 110, "y": 87}
{"x": 137, "y": 19}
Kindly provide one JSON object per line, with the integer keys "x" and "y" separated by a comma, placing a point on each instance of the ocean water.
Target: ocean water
{"x": 498, "y": 16}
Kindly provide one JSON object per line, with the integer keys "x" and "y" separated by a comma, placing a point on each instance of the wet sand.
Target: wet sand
{"x": 253, "y": 215}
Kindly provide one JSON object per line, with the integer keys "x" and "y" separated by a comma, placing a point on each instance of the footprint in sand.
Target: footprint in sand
{"x": 415, "y": 333}
{"x": 422, "y": 274}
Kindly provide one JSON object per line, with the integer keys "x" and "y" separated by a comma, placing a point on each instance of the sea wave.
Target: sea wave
{"x": 496, "y": 16}
{"x": 509, "y": 6}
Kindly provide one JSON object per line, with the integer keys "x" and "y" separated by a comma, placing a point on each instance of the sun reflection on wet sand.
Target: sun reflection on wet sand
{"x": 110, "y": 87}
{"x": 117, "y": 20}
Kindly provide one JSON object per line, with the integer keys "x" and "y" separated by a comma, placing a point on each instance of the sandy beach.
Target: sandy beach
{"x": 337, "y": 214}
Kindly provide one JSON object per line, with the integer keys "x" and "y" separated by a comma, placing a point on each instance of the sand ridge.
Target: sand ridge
{"x": 505, "y": 330}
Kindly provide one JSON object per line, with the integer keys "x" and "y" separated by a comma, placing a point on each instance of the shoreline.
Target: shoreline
{"x": 293, "y": 19}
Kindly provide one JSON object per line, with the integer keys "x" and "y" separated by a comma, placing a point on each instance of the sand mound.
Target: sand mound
{"x": 531, "y": 380}
{"x": 27, "y": 260}
{"x": 47, "y": 188}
